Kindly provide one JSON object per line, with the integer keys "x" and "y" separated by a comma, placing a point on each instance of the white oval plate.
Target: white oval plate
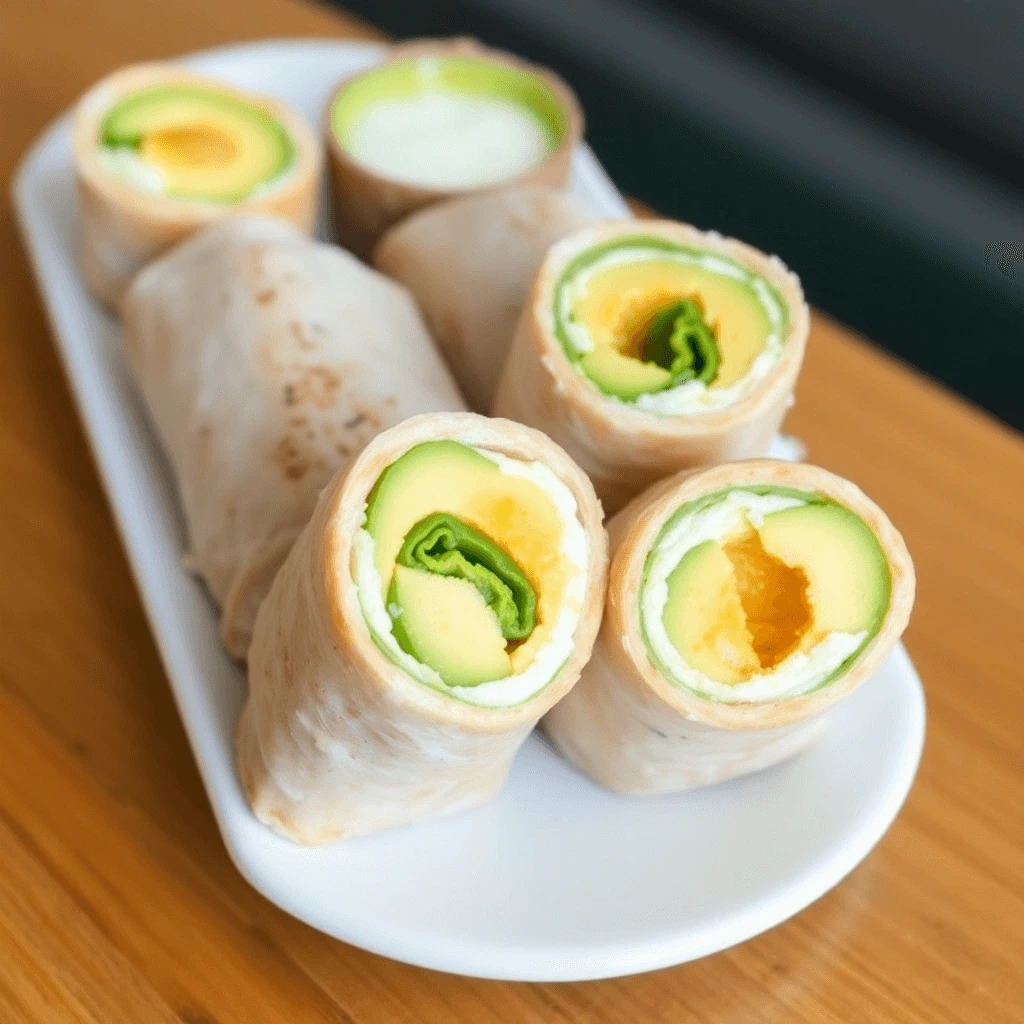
{"x": 556, "y": 880}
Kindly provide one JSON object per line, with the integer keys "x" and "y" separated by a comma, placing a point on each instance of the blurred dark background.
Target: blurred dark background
{"x": 877, "y": 146}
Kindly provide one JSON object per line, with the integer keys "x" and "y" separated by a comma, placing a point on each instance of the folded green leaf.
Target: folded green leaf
{"x": 443, "y": 544}
{"x": 679, "y": 341}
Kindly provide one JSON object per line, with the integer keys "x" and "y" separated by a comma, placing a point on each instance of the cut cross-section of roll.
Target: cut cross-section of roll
{"x": 445, "y": 594}
{"x": 649, "y": 346}
{"x": 744, "y": 601}
{"x": 161, "y": 152}
{"x": 437, "y": 119}
{"x": 470, "y": 263}
{"x": 267, "y": 362}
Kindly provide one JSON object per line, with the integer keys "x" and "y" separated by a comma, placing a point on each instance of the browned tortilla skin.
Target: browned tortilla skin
{"x": 470, "y": 263}
{"x": 633, "y": 730}
{"x": 622, "y": 448}
{"x": 335, "y": 740}
{"x": 365, "y": 204}
{"x": 120, "y": 228}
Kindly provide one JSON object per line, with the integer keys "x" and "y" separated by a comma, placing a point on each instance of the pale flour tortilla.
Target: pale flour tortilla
{"x": 470, "y": 263}
{"x": 635, "y": 731}
{"x": 335, "y": 740}
{"x": 267, "y": 362}
{"x": 622, "y": 448}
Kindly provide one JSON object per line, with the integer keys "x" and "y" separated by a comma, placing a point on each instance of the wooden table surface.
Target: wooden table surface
{"x": 117, "y": 899}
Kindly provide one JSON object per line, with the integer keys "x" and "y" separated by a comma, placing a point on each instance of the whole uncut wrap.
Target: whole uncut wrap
{"x": 622, "y": 448}
{"x": 635, "y": 731}
{"x": 121, "y": 228}
{"x": 470, "y": 263}
{"x": 267, "y": 362}
{"x": 335, "y": 740}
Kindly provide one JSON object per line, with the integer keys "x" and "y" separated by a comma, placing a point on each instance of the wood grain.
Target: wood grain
{"x": 117, "y": 899}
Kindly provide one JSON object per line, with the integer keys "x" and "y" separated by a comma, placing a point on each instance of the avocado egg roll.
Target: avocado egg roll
{"x": 268, "y": 361}
{"x": 647, "y": 347}
{"x": 744, "y": 601}
{"x": 469, "y": 263}
{"x": 440, "y": 118}
{"x": 160, "y": 152}
{"x": 444, "y": 595}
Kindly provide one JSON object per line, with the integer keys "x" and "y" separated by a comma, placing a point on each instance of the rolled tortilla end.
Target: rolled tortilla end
{"x": 267, "y": 362}
{"x": 150, "y": 138}
{"x": 391, "y": 677}
{"x": 470, "y": 263}
{"x": 648, "y": 347}
{"x": 374, "y": 184}
{"x": 744, "y": 602}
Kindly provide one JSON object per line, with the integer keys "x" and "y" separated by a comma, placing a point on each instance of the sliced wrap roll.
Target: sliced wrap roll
{"x": 268, "y": 361}
{"x": 744, "y": 602}
{"x": 470, "y": 263}
{"x": 444, "y": 595}
{"x": 161, "y": 152}
{"x": 647, "y": 347}
{"x": 394, "y": 148}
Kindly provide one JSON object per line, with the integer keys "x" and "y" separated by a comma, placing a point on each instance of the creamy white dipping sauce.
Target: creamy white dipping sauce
{"x": 448, "y": 140}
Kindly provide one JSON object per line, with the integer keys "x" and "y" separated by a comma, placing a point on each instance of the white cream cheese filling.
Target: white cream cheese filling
{"x": 448, "y": 140}
{"x": 693, "y": 396}
{"x": 801, "y": 672}
{"x": 513, "y": 689}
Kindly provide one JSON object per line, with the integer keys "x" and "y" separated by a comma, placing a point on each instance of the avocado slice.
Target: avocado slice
{"x": 445, "y": 521}
{"x": 740, "y": 607}
{"x": 444, "y": 545}
{"x": 444, "y": 622}
{"x": 410, "y": 489}
{"x": 672, "y": 346}
{"x": 206, "y": 144}
{"x": 622, "y": 376}
{"x": 847, "y": 572}
{"x": 704, "y": 618}
{"x": 697, "y": 315}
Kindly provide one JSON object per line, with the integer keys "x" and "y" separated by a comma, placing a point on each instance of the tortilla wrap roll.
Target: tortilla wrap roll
{"x": 470, "y": 263}
{"x": 744, "y": 602}
{"x": 445, "y": 594}
{"x": 160, "y": 152}
{"x": 268, "y": 361}
{"x": 648, "y": 347}
{"x": 438, "y": 119}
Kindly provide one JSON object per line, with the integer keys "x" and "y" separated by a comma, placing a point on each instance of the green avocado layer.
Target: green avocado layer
{"x": 818, "y": 551}
{"x": 206, "y": 144}
{"x": 675, "y": 342}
